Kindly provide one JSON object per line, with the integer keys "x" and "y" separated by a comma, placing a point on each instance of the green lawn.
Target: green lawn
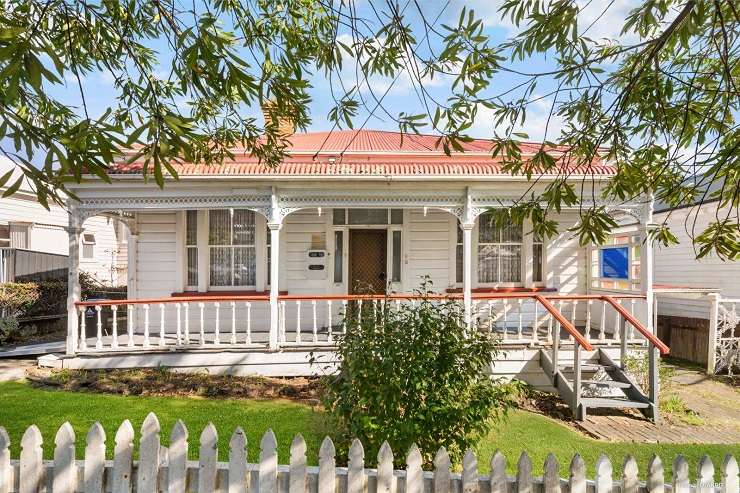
{"x": 22, "y": 405}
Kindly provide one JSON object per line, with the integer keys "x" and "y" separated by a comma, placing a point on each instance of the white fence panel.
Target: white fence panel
{"x": 161, "y": 469}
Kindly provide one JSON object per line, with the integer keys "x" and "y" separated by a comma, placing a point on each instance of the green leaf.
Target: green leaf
{"x": 14, "y": 187}
{"x": 4, "y": 179}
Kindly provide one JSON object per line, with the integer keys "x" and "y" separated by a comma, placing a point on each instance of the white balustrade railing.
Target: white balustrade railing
{"x": 133, "y": 324}
{"x": 202, "y": 322}
{"x": 522, "y": 320}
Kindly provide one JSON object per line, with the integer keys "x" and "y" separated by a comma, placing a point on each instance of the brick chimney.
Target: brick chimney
{"x": 286, "y": 126}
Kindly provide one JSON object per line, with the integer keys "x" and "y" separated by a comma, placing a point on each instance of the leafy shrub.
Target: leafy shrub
{"x": 52, "y": 298}
{"x": 413, "y": 374}
{"x": 637, "y": 365}
{"x": 11, "y": 331}
{"x": 17, "y": 297}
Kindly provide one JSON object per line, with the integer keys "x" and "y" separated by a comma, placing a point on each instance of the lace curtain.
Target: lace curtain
{"x": 231, "y": 240}
{"x": 499, "y": 252}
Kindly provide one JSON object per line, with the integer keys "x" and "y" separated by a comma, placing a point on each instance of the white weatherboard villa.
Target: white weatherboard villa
{"x": 242, "y": 269}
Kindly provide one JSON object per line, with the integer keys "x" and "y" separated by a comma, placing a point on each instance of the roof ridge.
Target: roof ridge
{"x": 411, "y": 134}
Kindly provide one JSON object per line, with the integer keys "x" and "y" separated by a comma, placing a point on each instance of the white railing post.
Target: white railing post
{"x": 519, "y": 330}
{"x": 328, "y": 324}
{"x": 99, "y": 331}
{"x": 233, "y": 323}
{"x": 555, "y": 350}
{"x": 298, "y": 321}
{"x": 130, "y": 323}
{"x": 557, "y": 324}
{"x": 217, "y": 329}
{"x": 573, "y": 314}
{"x": 315, "y": 325}
{"x": 178, "y": 333}
{"x": 505, "y": 321}
{"x": 114, "y": 332}
{"x": 146, "y": 324}
{"x": 344, "y": 316}
{"x": 249, "y": 322}
{"x": 602, "y": 327}
{"x": 714, "y": 300}
{"x": 186, "y": 335}
{"x": 201, "y": 307}
{"x": 83, "y": 330}
{"x": 161, "y": 324}
{"x": 281, "y": 322}
{"x": 589, "y": 305}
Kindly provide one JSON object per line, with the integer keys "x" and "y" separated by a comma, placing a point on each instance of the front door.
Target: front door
{"x": 367, "y": 261}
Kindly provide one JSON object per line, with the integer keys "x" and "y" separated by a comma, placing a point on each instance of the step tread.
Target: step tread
{"x": 612, "y": 402}
{"x": 607, "y": 383}
{"x": 590, "y": 367}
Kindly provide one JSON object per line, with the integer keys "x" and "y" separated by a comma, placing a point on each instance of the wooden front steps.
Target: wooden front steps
{"x": 607, "y": 385}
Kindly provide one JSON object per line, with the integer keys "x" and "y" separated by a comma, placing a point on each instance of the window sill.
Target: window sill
{"x": 235, "y": 292}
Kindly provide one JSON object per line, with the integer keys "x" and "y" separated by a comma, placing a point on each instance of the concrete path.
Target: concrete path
{"x": 37, "y": 349}
{"x": 15, "y": 369}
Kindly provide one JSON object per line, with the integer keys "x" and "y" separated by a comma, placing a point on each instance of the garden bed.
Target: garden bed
{"x": 165, "y": 383}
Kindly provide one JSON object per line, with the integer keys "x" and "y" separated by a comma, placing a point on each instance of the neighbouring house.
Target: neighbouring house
{"x": 698, "y": 299}
{"x": 34, "y": 241}
{"x": 242, "y": 269}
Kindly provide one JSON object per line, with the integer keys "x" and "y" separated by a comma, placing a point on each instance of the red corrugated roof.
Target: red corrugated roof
{"x": 371, "y": 152}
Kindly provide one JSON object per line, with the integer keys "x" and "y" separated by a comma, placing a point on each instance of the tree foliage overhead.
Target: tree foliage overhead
{"x": 662, "y": 97}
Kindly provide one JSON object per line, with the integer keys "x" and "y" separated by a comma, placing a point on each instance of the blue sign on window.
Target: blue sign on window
{"x": 615, "y": 263}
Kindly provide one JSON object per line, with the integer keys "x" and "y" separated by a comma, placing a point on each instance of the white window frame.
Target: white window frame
{"x": 86, "y": 242}
{"x": 634, "y": 280}
{"x": 395, "y": 285}
{"x": 186, "y": 247}
{"x": 476, "y": 270}
{"x": 530, "y": 240}
{"x": 204, "y": 252}
{"x": 5, "y": 241}
{"x": 209, "y": 247}
{"x": 527, "y": 262}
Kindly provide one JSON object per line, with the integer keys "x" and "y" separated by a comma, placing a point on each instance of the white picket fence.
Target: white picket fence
{"x": 167, "y": 469}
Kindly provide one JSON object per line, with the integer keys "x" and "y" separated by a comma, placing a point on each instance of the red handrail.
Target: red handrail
{"x": 174, "y": 299}
{"x": 637, "y": 325}
{"x": 569, "y": 327}
{"x": 363, "y": 297}
{"x": 349, "y": 297}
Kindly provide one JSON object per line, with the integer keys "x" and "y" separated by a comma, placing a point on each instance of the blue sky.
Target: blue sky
{"x": 403, "y": 96}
